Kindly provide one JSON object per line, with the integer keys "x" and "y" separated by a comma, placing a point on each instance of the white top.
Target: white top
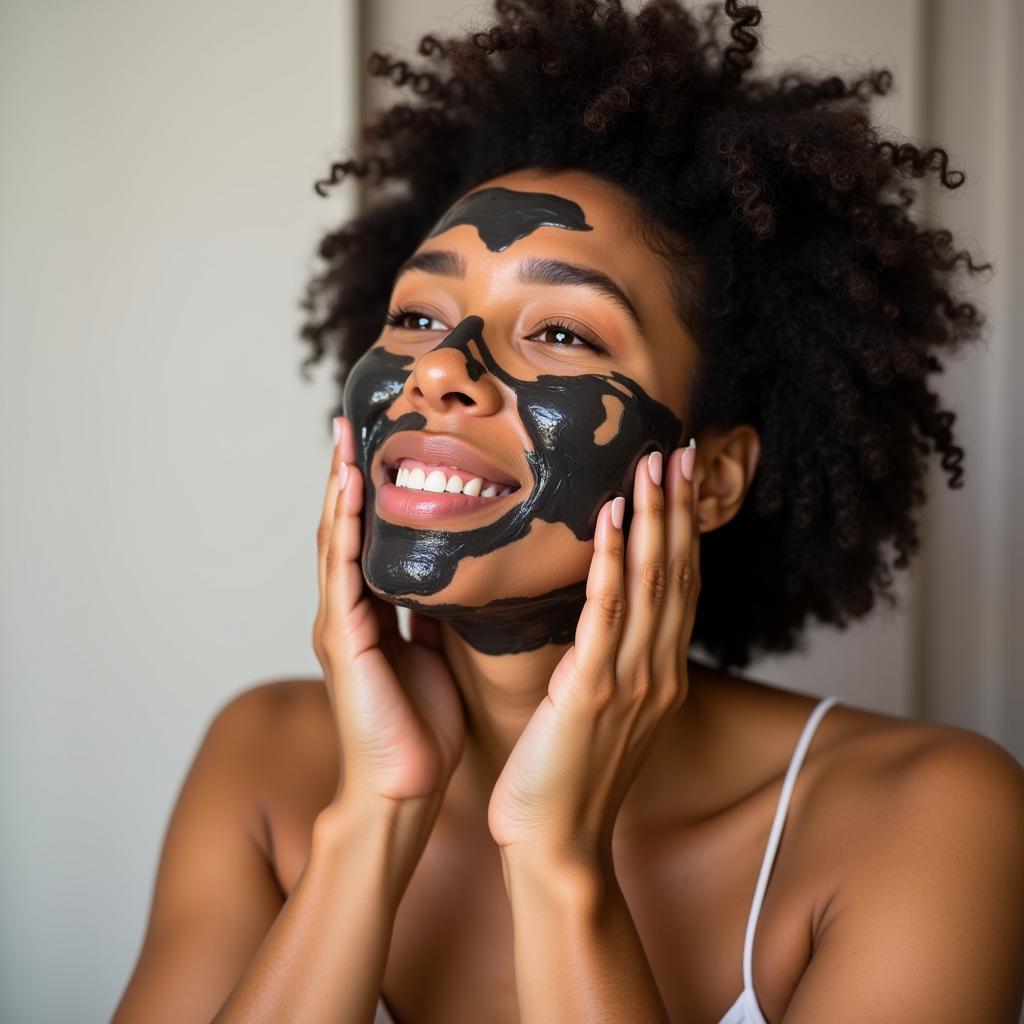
{"x": 746, "y": 1009}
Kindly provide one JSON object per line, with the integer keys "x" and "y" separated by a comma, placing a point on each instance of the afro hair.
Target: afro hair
{"x": 817, "y": 303}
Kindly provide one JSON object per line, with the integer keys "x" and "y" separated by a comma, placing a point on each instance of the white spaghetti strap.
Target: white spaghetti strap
{"x": 776, "y": 833}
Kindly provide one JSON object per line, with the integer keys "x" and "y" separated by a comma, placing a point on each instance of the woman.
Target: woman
{"x": 612, "y": 241}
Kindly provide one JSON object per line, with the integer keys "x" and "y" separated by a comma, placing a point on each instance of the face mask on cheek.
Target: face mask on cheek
{"x": 588, "y": 433}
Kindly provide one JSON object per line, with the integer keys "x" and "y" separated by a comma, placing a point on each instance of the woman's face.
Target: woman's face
{"x": 488, "y": 374}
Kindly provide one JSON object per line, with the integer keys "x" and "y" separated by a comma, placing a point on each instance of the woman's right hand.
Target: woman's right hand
{"x": 397, "y": 708}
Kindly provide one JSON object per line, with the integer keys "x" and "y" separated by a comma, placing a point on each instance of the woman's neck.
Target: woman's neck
{"x": 500, "y": 694}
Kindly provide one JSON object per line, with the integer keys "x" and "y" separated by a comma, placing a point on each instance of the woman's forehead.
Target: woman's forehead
{"x": 496, "y": 230}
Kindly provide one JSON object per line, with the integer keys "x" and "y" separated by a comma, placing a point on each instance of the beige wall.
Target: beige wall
{"x": 161, "y": 461}
{"x": 971, "y": 602}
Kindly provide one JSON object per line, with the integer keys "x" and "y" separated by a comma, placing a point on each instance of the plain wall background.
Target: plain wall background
{"x": 162, "y": 462}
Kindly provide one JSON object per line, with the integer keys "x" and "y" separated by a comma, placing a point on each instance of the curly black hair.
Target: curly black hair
{"x": 816, "y": 302}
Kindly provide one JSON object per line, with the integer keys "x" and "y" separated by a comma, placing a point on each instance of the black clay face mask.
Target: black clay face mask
{"x": 503, "y": 215}
{"x": 573, "y": 474}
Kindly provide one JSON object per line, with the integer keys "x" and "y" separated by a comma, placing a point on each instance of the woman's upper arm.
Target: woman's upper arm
{"x": 931, "y": 927}
{"x": 215, "y": 896}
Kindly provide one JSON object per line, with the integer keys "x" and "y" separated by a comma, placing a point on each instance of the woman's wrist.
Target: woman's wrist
{"x": 381, "y": 838}
{"x": 564, "y": 876}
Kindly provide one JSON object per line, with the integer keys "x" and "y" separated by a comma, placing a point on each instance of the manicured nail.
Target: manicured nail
{"x": 618, "y": 511}
{"x": 342, "y": 476}
{"x": 337, "y": 430}
{"x": 688, "y": 459}
{"x": 654, "y": 467}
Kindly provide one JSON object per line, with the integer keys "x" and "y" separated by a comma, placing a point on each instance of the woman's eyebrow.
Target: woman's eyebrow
{"x": 538, "y": 270}
{"x": 435, "y": 261}
{"x": 535, "y": 270}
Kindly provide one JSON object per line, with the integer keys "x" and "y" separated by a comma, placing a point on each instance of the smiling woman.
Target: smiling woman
{"x": 636, "y": 361}
{"x": 541, "y": 407}
{"x": 816, "y": 306}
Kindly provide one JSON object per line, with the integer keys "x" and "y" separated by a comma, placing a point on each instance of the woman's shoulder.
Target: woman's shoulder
{"x": 908, "y": 838}
{"x": 277, "y": 740}
{"x": 925, "y": 791}
{"x": 285, "y": 706}
{"x": 881, "y": 795}
{"x": 280, "y": 712}
{"x": 874, "y": 782}
{"x": 913, "y": 763}
{"x": 283, "y": 732}
{"x": 867, "y": 748}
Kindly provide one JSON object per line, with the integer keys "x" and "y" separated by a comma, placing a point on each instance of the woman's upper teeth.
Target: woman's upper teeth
{"x": 420, "y": 476}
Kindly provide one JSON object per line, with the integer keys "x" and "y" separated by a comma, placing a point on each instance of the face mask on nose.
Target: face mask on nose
{"x": 572, "y": 475}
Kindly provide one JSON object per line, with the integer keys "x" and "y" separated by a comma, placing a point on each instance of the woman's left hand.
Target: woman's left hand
{"x": 625, "y": 675}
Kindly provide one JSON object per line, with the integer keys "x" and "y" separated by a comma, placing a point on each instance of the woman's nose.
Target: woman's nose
{"x": 441, "y": 381}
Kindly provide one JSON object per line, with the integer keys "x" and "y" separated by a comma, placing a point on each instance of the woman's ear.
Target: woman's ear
{"x": 724, "y": 472}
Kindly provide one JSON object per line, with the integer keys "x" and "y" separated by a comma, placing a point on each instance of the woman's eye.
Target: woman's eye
{"x": 563, "y": 336}
{"x": 412, "y": 320}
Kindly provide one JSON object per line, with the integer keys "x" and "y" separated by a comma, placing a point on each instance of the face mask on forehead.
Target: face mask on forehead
{"x": 587, "y": 432}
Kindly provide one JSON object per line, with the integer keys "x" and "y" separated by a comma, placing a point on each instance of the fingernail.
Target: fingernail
{"x": 618, "y": 511}
{"x": 689, "y": 458}
{"x": 336, "y": 422}
{"x": 342, "y": 476}
{"x": 654, "y": 467}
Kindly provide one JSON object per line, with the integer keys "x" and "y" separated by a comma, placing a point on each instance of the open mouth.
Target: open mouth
{"x": 418, "y": 493}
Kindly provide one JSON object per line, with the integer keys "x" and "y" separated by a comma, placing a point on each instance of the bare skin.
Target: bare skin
{"x": 690, "y": 875}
